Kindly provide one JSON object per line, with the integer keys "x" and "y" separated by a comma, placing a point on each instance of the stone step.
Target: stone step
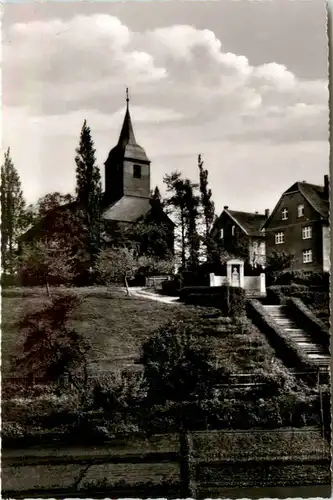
{"x": 279, "y": 314}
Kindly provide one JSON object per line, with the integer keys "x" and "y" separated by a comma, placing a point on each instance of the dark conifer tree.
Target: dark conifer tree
{"x": 88, "y": 189}
{"x": 12, "y": 213}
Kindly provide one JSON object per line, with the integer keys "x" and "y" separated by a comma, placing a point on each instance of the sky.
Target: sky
{"x": 243, "y": 83}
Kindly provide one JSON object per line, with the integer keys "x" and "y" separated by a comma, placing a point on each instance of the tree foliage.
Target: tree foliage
{"x": 52, "y": 349}
{"x": 46, "y": 262}
{"x": 88, "y": 188}
{"x": 176, "y": 366}
{"x": 208, "y": 207}
{"x": 12, "y": 213}
{"x": 279, "y": 261}
{"x": 185, "y": 204}
{"x": 58, "y": 243}
{"x": 192, "y": 215}
{"x": 117, "y": 265}
{"x": 45, "y": 205}
{"x": 176, "y": 201}
{"x": 150, "y": 238}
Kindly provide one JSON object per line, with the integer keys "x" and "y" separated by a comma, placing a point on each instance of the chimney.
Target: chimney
{"x": 256, "y": 213}
{"x": 226, "y": 207}
{"x": 267, "y": 213}
{"x": 326, "y": 186}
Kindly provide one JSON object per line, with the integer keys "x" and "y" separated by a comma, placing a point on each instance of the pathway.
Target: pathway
{"x": 146, "y": 294}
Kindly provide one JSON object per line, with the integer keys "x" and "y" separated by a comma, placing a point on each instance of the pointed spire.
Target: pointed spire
{"x": 127, "y": 134}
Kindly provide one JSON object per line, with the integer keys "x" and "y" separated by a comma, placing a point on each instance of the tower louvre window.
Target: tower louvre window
{"x": 137, "y": 171}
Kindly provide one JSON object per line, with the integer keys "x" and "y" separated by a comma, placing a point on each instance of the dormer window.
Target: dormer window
{"x": 285, "y": 214}
{"x": 137, "y": 171}
{"x": 300, "y": 210}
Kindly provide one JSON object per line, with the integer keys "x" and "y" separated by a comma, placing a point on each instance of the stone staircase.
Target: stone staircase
{"x": 301, "y": 337}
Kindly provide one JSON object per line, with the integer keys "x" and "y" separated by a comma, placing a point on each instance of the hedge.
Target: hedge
{"x": 278, "y": 294}
{"x": 230, "y": 300}
{"x": 305, "y": 317}
{"x": 285, "y": 347}
{"x": 171, "y": 287}
{"x": 303, "y": 278}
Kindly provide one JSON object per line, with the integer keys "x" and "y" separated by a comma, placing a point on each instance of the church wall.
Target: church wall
{"x": 134, "y": 186}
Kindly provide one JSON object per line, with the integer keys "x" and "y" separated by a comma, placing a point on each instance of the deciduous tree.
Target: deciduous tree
{"x": 208, "y": 207}
{"x": 176, "y": 201}
{"x": 117, "y": 264}
{"x": 46, "y": 261}
{"x": 185, "y": 203}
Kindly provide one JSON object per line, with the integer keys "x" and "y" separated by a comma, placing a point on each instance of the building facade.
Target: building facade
{"x": 299, "y": 226}
{"x": 239, "y": 235}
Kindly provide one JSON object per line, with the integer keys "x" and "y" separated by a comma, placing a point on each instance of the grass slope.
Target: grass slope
{"x": 115, "y": 324}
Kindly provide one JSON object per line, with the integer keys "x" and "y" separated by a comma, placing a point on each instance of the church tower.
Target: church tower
{"x": 127, "y": 168}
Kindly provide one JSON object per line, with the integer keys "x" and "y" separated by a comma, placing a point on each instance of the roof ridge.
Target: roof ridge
{"x": 244, "y": 212}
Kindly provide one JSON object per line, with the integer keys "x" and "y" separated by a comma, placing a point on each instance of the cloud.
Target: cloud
{"x": 188, "y": 95}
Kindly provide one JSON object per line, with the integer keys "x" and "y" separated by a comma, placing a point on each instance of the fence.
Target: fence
{"x": 171, "y": 465}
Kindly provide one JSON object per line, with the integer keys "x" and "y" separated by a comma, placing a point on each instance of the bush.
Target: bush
{"x": 8, "y": 280}
{"x": 177, "y": 365}
{"x": 301, "y": 278}
{"x": 230, "y": 300}
{"x": 11, "y": 430}
{"x": 171, "y": 287}
{"x": 62, "y": 351}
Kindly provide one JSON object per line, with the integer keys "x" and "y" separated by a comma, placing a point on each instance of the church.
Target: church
{"x": 127, "y": 202}
{"x": 127, "y": 197}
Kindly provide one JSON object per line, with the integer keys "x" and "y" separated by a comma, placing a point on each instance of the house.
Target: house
{"x": 239, "y": 234}
{"x": 299, "y": 226}
{"x": 126, "y": 201}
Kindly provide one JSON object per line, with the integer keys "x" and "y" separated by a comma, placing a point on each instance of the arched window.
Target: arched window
{"x": 137, "y": 171}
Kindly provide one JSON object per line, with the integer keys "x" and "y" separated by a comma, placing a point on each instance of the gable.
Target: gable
{"x": 247, "y": 223}
{"x": 290, "y": 200}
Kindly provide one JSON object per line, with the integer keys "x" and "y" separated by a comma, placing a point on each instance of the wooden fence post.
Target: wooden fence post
{"x": 187, "y": 465}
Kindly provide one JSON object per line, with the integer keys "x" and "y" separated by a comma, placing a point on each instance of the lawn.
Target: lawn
{"x": 116, "y": 325}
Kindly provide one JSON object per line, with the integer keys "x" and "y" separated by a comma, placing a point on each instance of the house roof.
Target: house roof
{"x": 315, "y": 195}
{"x": 127, "y": 209}
{"x": 249, "y": 222}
